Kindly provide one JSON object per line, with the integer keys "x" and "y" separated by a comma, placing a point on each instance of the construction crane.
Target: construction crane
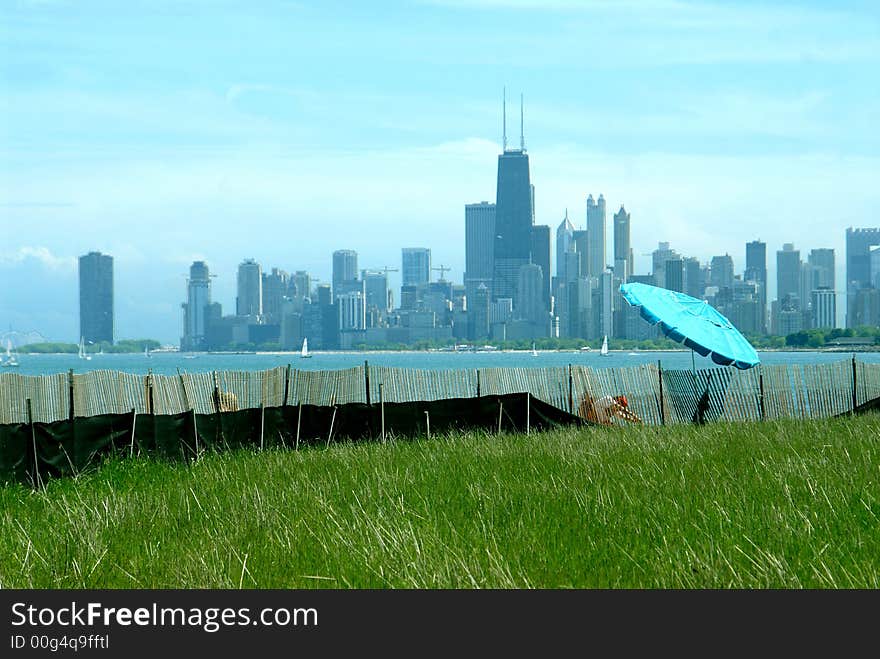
{"x": 443, "y": 270}
{"x": 386, "y": 270}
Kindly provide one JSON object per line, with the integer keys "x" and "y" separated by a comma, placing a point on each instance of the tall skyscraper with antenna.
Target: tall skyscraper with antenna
{"x": 513, "y": 213}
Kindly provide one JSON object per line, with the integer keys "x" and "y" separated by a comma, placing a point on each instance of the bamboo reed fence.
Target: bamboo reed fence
{"x": 657, "y": 396}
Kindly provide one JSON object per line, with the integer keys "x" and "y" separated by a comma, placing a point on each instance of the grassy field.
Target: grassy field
{"x": 788, "y": 504}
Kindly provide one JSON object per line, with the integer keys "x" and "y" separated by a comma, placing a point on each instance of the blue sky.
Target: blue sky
{"x": 162, "y": 132}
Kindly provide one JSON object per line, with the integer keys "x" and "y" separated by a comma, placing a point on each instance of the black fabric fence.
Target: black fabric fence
{"x": 38, "y": 451}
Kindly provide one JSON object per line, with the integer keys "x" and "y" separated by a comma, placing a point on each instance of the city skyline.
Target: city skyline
{"x": 164, "y": 158}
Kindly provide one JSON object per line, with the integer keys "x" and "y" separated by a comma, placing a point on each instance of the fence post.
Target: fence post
{"x": 195, "y": 431}
{"x": 150, "y": 403}
{"x": 367, "y": 379}
{"x": 855, "y": 399}
{"x": 330, "y": 434}
{"x": 262, "y": 421}
{"x": 528, "y": 412}
{"x": 500, "y": 410}
{"x": 662, "y": 403}
{"x": 478, "y": 383}
{"x": 38, "y": 482}
{"x": 298, "y": 420}
{"x": 286, "y": 386}
{"x": 428, "y": 423}
{"x": 133, "y": 423}
{"x": 382, "y": 411}
{"x": 761, "y": 393}
{"x": 570, "y": 391}
{"x": 216, "y": 393}
{"x": 70, "y": 413}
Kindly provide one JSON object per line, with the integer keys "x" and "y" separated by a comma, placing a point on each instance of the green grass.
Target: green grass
{"x": 785, "y": 504}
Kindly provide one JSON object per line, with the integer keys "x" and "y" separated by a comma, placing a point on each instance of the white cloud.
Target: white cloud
{"x": 41, "y": 255}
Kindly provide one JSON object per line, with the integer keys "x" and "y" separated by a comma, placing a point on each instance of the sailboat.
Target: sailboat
{"x": 82, "y": 349}
{"x": 534, "y": 352}
{"x": 147, "y": 351}
{"x": 10, "y": 360}
{"x": 305, "y": 349}
{"x": 604, "y": 349}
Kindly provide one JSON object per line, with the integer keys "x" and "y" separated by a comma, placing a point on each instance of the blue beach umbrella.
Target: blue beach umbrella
{"x": 693, "y": 322}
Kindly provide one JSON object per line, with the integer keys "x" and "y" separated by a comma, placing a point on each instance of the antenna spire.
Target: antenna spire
{"x": 522, "y": 138}
{"x": 504, "y": 115}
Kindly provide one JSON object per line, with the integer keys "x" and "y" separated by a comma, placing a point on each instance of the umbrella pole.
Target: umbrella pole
{"x": 693, "y": 363}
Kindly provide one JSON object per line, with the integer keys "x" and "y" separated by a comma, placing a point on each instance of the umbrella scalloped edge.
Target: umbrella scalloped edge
{"x": 678, "y": 337}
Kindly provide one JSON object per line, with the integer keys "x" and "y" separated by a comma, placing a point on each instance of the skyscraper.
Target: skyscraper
{"x": 694, "y": 285}
{"x": 479, "y": 242}
{"x": 673, "y": 273}
{"x": 623, "y": 254}
{"x": 530, "y": 296}
{"x": 788, "y": 273}
{"x": 376, "y": 290}
{"x": 540, "y": 253}
{"x": 195, "y": 309}
{"x": 249, "y": 301}
{"x": 659, "y": 257}
{"x": 721, "y": 271}
{"x": 416, "y": 266}
{"x": 756, "y": 270}
{"x": 302, "y": 284}
{"x": 596, "y": 235}
{"x": 821, "y": 262}
{"x": 513, "y": 217}
{"x": 96, "y": 297}
{"x": 345, "y": 268}
{"x": 564, "y": 245}
{"x": 276, "y": 286}
{"x": 824, "y": 310}
{"x": 858, "y": 270}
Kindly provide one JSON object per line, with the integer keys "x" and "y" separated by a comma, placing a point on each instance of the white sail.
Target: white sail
{"x": 534, "y": 352}
{"x": 82, "y": 349}
{"x": 305, "y": 349}
{"x": 604, "y": 350}
{"x": 10, "y": 359}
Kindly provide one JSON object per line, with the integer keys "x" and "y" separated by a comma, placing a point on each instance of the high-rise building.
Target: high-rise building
{"x": 824, "y": 309}
{"x": 513, "y": 217}
{"x": 606, "y": 293}
{"x": 345, "y": 268}
{"x": 659, "y": 257}
{"x": 564, "y": 245}
{"x": 352, "y": 311}
{"x": 581, "y": 241}
{"x": 721, "y": 271}
{"x": 275, "y": 288}
{"x": 530, "y": 295}
{"x": 302, "y": 284}
{"x": 596, "y": 235}
{"x": 540, "y": 254}
{"x": 788, "y": 275}
{"x": 821, "y": 262}
{"x": 249, "y": 301}
{"x": 195, "y": 309}
{"x": 756, "y": 270}
{"x": 479, "y": 243}
{"x": 478, "y": 313}
{"x": 376, "y": 290}
{"x": 416, "y": 266}
{"x": 623, "y": 254}
{"x": 694, "y": 283}
{"x": 96, "y": 297}
{"x": 858, "y": 269}
{"x": 673, "y": 272}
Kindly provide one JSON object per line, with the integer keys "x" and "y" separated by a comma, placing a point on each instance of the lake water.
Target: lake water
{"x": 168, "y": 363}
